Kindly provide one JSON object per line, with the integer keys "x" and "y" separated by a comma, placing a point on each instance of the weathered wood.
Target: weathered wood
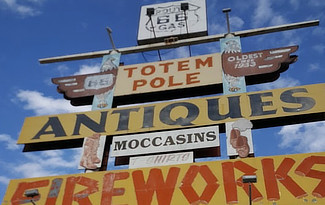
{"x": 179, "y": 43}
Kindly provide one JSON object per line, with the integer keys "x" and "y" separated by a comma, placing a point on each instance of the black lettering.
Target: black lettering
{"x": 120, "y": 145}
{"x": 180, "y": 139}
{"x": 56, "y": 128}
{"x": 180, "y": 17}
{"x": 162, "y": 19}
{"x": 189, "y": 138}
{"x": 257, "y": 104}
{"x": 142, "y": 143}
{"x": 181, "y": 24}
{"x": 148, "y": 117}
{"x": 171, "y": 26}
{"x": 233, "y": 105}
{"x": 162, "y": 27}
{"x": 135, "y": 144}
{"x": 211, "y": 136}
{"x": 123, "y": 123}
{"x": 192, "y": 113}
{"x": 91, "y": 124}
{"x": 169, "y": 141}
{"x": 199, "y": 136}
{"x": 154, "y": 143}
{"x": 305, "y": 102}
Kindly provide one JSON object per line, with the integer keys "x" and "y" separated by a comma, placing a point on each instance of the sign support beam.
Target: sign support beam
{"x": 179, "y": 43}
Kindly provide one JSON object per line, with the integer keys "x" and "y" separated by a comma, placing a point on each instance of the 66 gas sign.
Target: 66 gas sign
{"x": 160, "y": 21}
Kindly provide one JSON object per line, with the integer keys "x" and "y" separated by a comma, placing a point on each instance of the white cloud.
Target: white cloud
{"x": 49, "y": 163}
{"x": 86, "y": 69}
{"x": 21, "y": 8}
{"x": 319, "y": 31}
{"x": 216, "y": 28}
{"x": 263, "y": 13}
{"x": 10, "y": 143}
{"x": 303, "y": 138}
{"x": 42, "y": 105}
{"x": 282, "y": 82}
{"x": 314, "y": 67}
{"x": 317, "y": 3}
{"x": 295, "y": 4}
{"x": 4, "y": 180}
{"x": 319, "y": 48}
{"x": 236, "y": 23}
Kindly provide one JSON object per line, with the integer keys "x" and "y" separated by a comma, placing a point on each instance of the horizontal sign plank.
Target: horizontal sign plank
{"x": 287, "y": 179}
{"x": 192, "y": 76}
{"x": 268, "y": 106}
{"x": 175, "y": 140}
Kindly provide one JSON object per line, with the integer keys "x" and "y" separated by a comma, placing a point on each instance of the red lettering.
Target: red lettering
{"x": 19, "y": 198}
{"x": 166, "y": 66}
{"x": 171, "y": 82}
{"x": 138, "y": 83}
{"x": 108, "y": 186}
{"x": 157, "y": 82}
{"x": 271, "y": 185}
{"x": 183, "y": 65}
{"x": 82, "y": 196}
{"x": 248, "y": 170}
{"x": 229, "y": 182}
{"x": 199, "y": 62}
{"x": 54, "y": 191}
{"x": 148, "y": 70}
{"x": 305, "y": 169}
{"x": 155, "y": 183}
{"x": 280, "y": 174}
{"x": 192, "y": 78}
{"x": 130, "y": 71}
{"x": 209, "y": 190}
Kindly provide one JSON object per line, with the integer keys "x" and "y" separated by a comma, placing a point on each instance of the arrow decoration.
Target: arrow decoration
{"x": 258, "y": 62}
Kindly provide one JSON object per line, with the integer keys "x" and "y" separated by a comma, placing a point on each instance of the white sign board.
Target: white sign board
{"x": 239, "y": 138}
{"x": 168, "y": 19}
{"x": 92, "y": 152}
{"x": 158, "y": 142}
{"x": 161, "y": 160}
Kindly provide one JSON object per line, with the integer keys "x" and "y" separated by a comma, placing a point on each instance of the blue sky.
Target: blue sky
{"x": 34, "y": 29}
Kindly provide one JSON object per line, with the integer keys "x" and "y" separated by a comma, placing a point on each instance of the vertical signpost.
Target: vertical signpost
{"x": 238, "y": 144}
{"x": 93, "y": 146}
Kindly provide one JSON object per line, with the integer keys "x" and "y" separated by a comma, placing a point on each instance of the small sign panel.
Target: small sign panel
{"x": 184, "y": 19}
{"x": 161, "y": 160}
{"x": 239, "y": 138}
{"x": 258, "y": 62}
{"x": 175, "y": 140}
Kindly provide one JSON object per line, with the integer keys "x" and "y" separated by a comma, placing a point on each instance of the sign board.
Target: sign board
{"x": 239, "y": 138}
{"x": 301, "y": 103}
{"x": 156, "y": 142}
{"x": 160, "y": 21}
{"x": 258, "y": 62}
{"x": 147, "y": 77}
{"x": 92, "y": 152}
{"x": 196, "y": 75}
{"x": 288, "y": 179}
{"x": 169, "y": 75}
{"x": 161, "y": 160}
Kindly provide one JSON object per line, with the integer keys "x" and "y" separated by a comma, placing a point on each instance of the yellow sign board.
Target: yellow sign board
{"x": 263, "y": 105}
{"x": 168, "y": 75}
{"x": 289, "y": 179}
